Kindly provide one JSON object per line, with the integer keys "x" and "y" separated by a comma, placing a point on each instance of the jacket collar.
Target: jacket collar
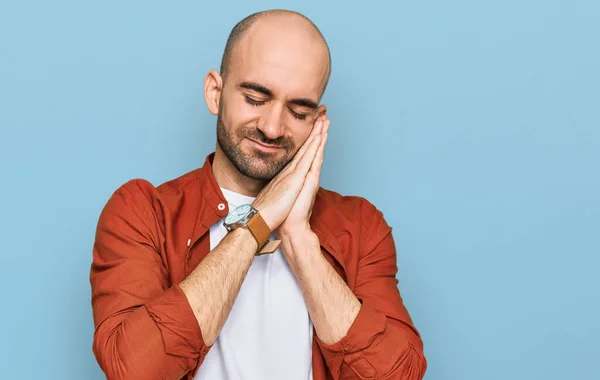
{"x": 213, "y": 197}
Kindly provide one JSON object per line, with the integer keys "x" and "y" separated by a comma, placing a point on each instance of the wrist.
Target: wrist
{"x": 301, "y": 231}
{"x": 263, "y": 210}
{"x": 243, "y": 239}
{"x": 302, "y": 251}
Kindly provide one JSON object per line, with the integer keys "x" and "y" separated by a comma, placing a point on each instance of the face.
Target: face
{"x": 269, "y": 102}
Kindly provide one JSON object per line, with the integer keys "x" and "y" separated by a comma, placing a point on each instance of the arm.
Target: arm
{"x": 331, "y": 304}
{"x": 146, "y": 329}
{"x": 227, "y": 266}
{"x": 367, "y": 333}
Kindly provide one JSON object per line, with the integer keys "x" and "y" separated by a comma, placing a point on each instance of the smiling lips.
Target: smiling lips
{"x": 266, "y": 148}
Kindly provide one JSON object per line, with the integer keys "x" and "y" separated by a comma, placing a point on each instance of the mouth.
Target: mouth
{"x": 265, "y": 147}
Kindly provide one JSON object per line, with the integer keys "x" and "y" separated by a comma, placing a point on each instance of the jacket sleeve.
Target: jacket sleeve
{"x": 144, "y": 326}
{"x": 382, "y": 342}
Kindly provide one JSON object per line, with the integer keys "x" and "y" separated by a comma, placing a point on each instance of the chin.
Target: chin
{"x": 260, "y": 165}
{"x": 250, "y": 159}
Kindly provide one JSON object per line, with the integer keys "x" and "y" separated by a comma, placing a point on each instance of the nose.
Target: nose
{"x": 271, "y": 123}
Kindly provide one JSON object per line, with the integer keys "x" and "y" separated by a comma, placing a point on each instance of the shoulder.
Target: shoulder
{"x": 142, "y": 190}
{"x": 354, "y": 214}
{"x": 140, "y": 187}
{"x": 353, "y": 207}
{"x": 139, "y": 196}
{"x": 346, "y": 206}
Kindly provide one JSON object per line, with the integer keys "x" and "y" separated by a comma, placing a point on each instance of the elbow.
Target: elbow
{"x": 109, "y": 359}
{"x": 412, "y": 365}
{"x": 409, "y": 365}
{"x": 123, "y": 357}
{"x": 420, "y": 367}
{"x": 118, "y": 361}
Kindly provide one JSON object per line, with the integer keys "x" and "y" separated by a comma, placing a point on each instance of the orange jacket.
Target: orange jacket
{"x": 149, "y": 239}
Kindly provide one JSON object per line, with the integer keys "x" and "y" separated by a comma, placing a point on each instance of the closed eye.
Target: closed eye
{"x": 299, "y": 116}
{"x": 254, "y": 102}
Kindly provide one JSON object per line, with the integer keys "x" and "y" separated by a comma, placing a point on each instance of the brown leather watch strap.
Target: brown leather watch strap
{"x": 270, "y": 247}
{"x": 261, "y": 232}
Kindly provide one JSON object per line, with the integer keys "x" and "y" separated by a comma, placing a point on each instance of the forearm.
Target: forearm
{"x": 331, "y": 304}
{"x": 144, "y": 344}
{"x": 347, "y": 329}
{"x": 213, "y": 285}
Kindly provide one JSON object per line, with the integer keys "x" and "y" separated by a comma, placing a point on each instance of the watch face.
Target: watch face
{"x": 238, "y": 214}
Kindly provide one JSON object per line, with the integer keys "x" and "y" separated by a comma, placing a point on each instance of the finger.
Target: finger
{"x": 322, "y": 130}
{"x": 315, "y": 169}
{"x": 311, "y": 182}
{"x": 326, "y": 125}
{"x": 325, "y": 134}
{"x": 318, "y": 127}
{"x": 305, "y": 162}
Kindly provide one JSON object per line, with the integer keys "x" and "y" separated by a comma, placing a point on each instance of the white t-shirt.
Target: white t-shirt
{"x": 268, "y": 333}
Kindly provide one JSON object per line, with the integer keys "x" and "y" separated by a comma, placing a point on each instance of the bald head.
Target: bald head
{"x": 269, "y": 26}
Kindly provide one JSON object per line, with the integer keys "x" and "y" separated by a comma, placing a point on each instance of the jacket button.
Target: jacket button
{"x": 221, "y": 206}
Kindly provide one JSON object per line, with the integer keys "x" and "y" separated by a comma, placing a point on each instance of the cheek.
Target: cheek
{"x": 238, "y": 113}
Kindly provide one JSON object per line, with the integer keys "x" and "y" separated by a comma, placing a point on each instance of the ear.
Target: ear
{"x": 213, "y": 86}
{"x": 322, "y": 112}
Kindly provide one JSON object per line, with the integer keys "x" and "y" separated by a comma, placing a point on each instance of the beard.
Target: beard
{"x": 255, "y": 164}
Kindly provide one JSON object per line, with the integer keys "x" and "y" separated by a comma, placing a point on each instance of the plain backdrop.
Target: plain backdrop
{"x": 473, "y": 125}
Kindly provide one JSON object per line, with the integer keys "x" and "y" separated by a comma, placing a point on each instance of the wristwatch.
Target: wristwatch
{"x": 246, "y": 216}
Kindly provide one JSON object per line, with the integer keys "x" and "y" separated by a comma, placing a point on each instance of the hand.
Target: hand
{"x": 299, "y": 216}
{"x": 275, "y": 201}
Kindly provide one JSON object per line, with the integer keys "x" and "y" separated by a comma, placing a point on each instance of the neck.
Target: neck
{"x": 228, "y": 177}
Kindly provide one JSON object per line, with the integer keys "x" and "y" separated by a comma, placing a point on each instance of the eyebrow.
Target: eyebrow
{"x": 303, "y": 102}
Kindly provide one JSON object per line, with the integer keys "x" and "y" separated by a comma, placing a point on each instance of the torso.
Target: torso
{"x": 268, "y": 333}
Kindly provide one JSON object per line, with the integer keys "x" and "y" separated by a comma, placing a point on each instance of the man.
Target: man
{"x": 185, "y": 282}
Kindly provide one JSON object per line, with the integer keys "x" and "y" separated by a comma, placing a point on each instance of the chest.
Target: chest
{"x": 268, "y": 332}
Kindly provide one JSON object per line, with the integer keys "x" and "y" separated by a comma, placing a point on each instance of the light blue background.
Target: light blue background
{"x": 473, "y": 125}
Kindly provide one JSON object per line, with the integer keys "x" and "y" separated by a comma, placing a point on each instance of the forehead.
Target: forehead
{"x": 291, "y": 62}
